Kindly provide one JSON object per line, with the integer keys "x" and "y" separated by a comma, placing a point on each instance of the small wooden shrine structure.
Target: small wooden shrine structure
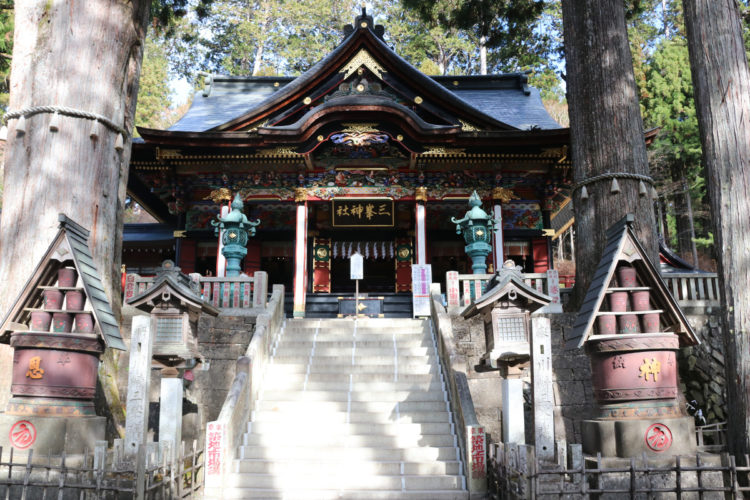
{"x": 632, "y": 328}
{"x": 361, "y": 153}
{"x": 56, "y": 349}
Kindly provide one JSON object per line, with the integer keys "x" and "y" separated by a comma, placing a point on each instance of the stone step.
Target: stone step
{"x": 340, "y": 417}
{"x": 304, "y": 430}
{"x": 281, "y": 370}
{"x": 401, "y": 343}
{"x": 340, "y": 336}
{"x": 323, "y": 439}
{"x": 385, "y": 349}
{"x": 358, "y": 359}
{"x": 357, "y": 377}
{"x": 420, "y": 454}
{"x": 342, "y": 384}
{"x": 345, "y": 479}
{"x": 260, "y": 466}
{"x": 354, "y": 396}
{"x": 277, "y": 494}
{"x": 383, "y": 407}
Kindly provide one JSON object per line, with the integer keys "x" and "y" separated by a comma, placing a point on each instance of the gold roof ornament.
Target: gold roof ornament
{"x": 468, "y": 127}
{"x": 503, "y": 194}
{"x": 362, "y": 58}
{"x": 219, "y": 195}
{"x": 420, "y": 194}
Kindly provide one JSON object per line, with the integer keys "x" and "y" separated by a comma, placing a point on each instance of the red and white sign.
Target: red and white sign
{"x": 451, "y": 282}
{"x": 214, "y": 448}
{"x": 478, "y": 463}
{"x": 421, "y": 277}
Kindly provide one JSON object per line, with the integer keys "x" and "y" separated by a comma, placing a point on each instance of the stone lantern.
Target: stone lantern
{"x": 515, "y": 337}
{"x": 175, "y": 305}
{"x": 476, "y": 226}
{"x": 506, "y": 308}
{"x": 235, "y": 229}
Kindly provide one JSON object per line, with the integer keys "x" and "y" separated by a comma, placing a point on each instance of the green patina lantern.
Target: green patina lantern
{"x": 476, "y": 226}
{"x": 236, "y": 231}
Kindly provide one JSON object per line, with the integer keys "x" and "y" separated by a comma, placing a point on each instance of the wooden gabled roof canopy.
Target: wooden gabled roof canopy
{"x": 70, "y": 246}
{"x": 623, "y": 247}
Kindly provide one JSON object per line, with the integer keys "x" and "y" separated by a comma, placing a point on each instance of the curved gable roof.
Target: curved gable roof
{"x": 499, "y": 102}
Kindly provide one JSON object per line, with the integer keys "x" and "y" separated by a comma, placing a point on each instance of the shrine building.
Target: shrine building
{"x": 362, "y": 153}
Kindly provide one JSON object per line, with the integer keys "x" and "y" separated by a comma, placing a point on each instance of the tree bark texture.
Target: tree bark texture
{"x": 86, "y": 56}
{"x": 606, "y": 131}
{"x": 722, "y": 96}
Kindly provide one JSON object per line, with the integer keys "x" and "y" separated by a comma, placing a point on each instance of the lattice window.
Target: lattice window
{"x": 169, "y": 330}
{"x": 512, "y": 328}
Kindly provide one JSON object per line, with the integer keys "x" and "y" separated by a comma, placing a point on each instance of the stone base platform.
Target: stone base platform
{"x": 662, "y": 437}
{"x": 50, "y": 435}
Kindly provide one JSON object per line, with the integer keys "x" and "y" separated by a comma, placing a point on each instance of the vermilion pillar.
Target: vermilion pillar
{"x": 300, "y": 253}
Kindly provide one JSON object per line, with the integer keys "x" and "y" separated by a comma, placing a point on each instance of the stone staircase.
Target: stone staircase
{"x": 351, "y": 409}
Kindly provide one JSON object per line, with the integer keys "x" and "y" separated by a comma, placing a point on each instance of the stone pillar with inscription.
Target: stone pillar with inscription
{"x": 300, "y": 253}
{"x": 541, "y": 387}
{"x": 139, "y": 381}
{"x": 170, "y": 408}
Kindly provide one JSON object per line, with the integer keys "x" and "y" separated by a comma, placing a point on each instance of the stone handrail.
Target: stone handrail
{"x": 463, "y": 288}
{"x": 224, "y": 435}
{"x": 694, "y": 289}
{"x": 237, "y": 292}
{"x": 471, "y": 436}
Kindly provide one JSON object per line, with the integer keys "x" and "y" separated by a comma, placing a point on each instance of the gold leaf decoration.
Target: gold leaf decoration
{"x": 362, "y": 58}
{"x": 359, "y": 127}
{"x": 504, "y": 194}
{"x": 219, "y": 195}
{"x": 468, "y": 127}
{"x": 442, "y": 151}
{"x": 280, "y": 151}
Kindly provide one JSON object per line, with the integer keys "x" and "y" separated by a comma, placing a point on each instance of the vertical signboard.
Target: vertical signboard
{"x": 421, "y": 277}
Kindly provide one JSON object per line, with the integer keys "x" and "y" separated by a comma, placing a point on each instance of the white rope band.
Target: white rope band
{"x": 62, "y": 110}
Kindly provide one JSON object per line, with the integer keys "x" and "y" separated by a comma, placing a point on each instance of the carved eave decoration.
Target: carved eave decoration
{"x": 623, "y": 246}
{"x": 70, "y": 246}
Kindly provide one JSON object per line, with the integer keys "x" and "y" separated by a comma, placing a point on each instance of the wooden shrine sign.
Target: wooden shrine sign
{"x": 362, "y": 212}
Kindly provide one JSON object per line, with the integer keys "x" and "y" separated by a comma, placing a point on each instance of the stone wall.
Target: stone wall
{"x": 702, "y": 367}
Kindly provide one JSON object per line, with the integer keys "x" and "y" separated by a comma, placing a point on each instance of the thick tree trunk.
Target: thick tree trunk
{"x": 86, "y": 56}
{"x": 722, "y": 96}
{"x": 606, "y": 130}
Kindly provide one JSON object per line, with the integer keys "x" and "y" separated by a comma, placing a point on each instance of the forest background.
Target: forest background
{"x": 440, "y": 37}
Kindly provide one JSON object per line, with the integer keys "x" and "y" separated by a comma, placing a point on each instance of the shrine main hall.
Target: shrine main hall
{"x": 361, "y": 153}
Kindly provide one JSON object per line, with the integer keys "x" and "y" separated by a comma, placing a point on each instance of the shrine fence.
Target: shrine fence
{"x": 237, "y": 292}
{"x": 514, "y": 472}
{"x": 153, "y": 473}
{"x": 689, "y": 289}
